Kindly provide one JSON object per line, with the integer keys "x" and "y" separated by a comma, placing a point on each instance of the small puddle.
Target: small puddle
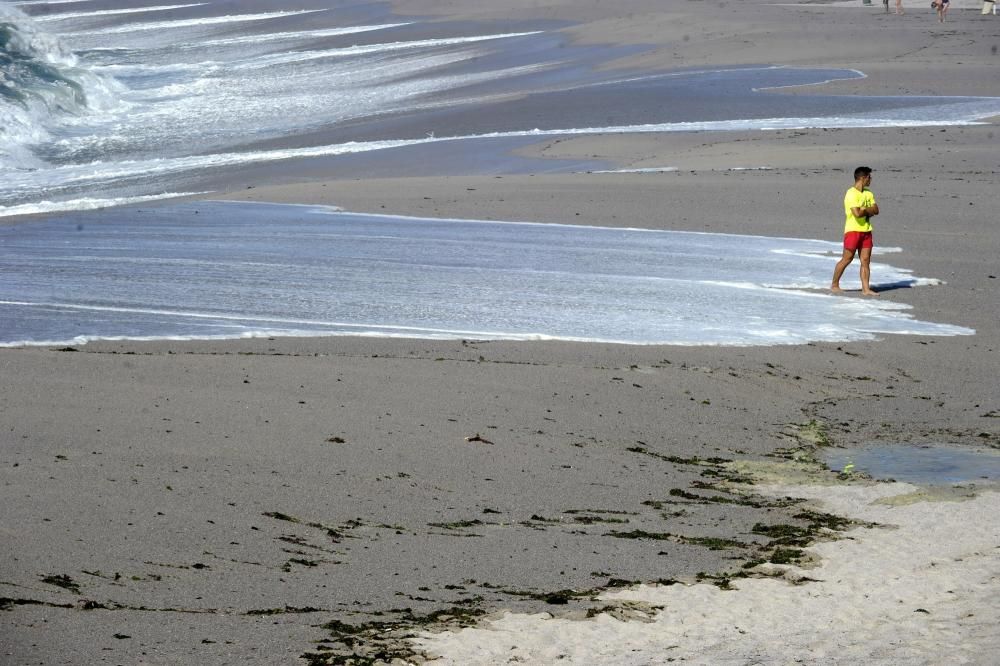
{"x": 919, "y": 464}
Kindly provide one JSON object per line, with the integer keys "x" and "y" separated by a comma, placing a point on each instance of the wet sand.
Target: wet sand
{"x": 209, "y": 502}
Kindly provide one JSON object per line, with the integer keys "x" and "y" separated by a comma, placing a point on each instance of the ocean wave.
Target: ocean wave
{"x": 41, "y": 83}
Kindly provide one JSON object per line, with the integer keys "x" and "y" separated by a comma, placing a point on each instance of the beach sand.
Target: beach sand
{"x": 251, "y": 501}
{"x": 900, "y": 588}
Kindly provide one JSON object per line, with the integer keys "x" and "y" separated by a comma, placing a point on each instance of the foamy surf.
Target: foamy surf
{"x": 214, "y": 269}
{"x": 138, "y": 107}
{"x": 63, "y": 16}
{"x": 87, "y": 203}
{"x": 177, "y": 24}
{"x": 31, "y": 183}
{"x": 299, "y": 34}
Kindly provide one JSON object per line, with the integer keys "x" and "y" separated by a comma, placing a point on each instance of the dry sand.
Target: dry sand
{"x": 905, "y": 588}
{"x": 170, "y": 503}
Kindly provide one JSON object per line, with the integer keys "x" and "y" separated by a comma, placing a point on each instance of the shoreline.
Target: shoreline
{"x": 776, "y": 296}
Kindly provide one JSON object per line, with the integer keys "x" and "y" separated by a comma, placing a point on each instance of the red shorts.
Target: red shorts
{"x": 855, "y": 240}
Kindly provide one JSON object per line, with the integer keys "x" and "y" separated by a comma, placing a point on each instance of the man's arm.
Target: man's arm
{"x": 865, "y": 211}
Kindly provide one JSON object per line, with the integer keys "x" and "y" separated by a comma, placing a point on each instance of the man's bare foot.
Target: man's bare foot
{"x": 836, "y": 289}
{"x": 869, "y": 292}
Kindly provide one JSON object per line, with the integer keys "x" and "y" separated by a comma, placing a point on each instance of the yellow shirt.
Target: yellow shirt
{"x": 855, "y": 199}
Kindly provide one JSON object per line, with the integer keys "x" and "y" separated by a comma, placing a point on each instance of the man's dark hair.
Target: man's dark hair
{"x": 862, "y": 171}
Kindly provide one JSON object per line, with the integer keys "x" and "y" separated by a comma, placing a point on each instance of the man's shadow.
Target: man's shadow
{"x": 892, "y": 286}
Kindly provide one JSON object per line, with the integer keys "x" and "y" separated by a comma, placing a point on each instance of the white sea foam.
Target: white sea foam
{"x": 960, "y": 114}
{"x": 292, "y": 35}
{"x": 42, "y": 82}
{"x": 177, "y": 24}
{"x": 206, "y": 269}
{"x": 29, "y": 3}
{"x": 87, "y": 203}
{"x": 111, "y": 12}
{"x": 858, "y": 74}
{"x": 637, "y": 170}
{"x": 305, "y": 56}
{"x": 176, "y": 48}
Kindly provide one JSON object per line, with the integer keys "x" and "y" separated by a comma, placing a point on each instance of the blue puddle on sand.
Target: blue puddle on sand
{"x": 919, "y": 464}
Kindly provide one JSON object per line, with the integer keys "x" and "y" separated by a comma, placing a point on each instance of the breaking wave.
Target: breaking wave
{"x": 42, "y": 84}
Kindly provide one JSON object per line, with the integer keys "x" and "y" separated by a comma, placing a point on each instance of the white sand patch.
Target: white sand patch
{"x": 923, "y": 589}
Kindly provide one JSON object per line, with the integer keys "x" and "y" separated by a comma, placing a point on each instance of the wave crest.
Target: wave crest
{"x": 41, "y": 84}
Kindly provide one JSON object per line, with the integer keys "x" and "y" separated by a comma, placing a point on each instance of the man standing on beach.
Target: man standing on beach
{"x": 859, "y": 208}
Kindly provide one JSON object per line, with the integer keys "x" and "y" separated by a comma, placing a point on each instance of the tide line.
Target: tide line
{"x": 263, "y": 320}
{"x": 87, "y": 203}
{"x": 372, "y": 332}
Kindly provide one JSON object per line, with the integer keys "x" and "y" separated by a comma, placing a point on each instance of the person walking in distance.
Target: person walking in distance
{"x": 942, "y": 9}
{"x": 859, "y": 208}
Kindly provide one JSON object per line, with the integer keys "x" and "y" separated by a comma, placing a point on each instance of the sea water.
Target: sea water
{"x": 925, "y": 464}
{"x": 227, "y": 270}
{"x": 113, "y": 104}
{"x": 103, "y": 105}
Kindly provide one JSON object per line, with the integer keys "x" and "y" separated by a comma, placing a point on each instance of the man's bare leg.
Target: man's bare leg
{"x": 838, "y": 271}
{"x": 866, "y": 272}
